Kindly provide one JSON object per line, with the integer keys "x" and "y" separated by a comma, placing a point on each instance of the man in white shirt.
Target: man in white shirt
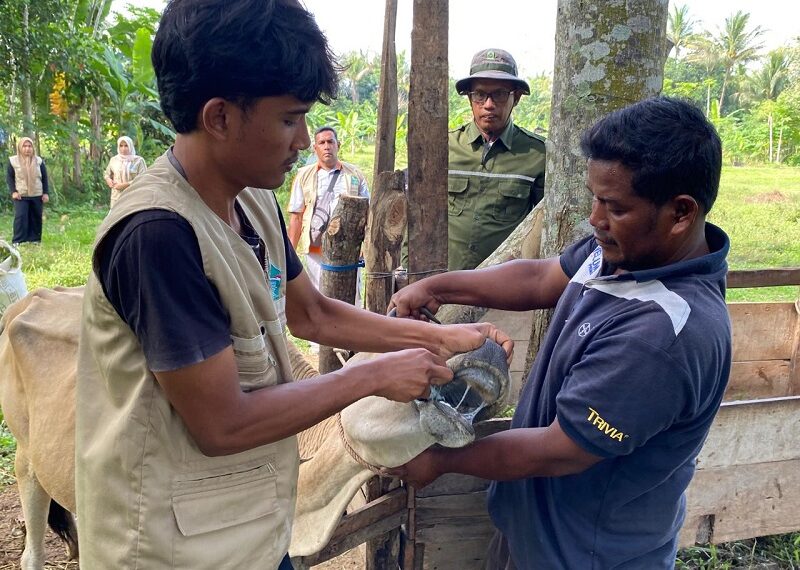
{"x": 327, "y": 175}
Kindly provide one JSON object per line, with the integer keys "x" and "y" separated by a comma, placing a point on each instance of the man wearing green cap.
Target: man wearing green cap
{"x": 496, "y": 169}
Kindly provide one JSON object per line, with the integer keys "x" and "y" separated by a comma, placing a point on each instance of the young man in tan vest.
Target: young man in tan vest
{"x": 186, "y": 415}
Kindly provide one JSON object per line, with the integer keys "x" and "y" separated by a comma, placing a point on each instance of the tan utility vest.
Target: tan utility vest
{"x": 307, "y": 178}
{"x": 19, "y": 178}
{"x": 147, "y": 497}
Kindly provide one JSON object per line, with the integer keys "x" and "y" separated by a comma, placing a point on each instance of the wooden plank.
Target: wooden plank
{"x": 389, "y": 504}
{"x": 759, "y": 379}
{"x": 387, "y": 97}
{"x": 460, "y": 555}
{"x": 427, "y": 140}
{"x": 743, "y": 501}
{"x": 763, "y": 331}
{"x": 457, "y": 529}
{"x": 440, "y": 509}
{"x": 345, "y": 543}
{"x": 754, "y": 431}
{"x": 764, "y": 277}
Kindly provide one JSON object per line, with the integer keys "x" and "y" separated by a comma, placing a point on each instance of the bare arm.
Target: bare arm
{"x": 327, "y": 321}
{"x": 514, "y": 454}
{"x": 223, "y": 419}
{"x": 295, "y": 227}
{"x": 518, "y": 285}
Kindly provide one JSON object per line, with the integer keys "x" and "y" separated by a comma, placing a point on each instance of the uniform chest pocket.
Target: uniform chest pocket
{"x": 512, "y": 200}
{"x": 256, "y": 365}
{"x": 456, "y": 195}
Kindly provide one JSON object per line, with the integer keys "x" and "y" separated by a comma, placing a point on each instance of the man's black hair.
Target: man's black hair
{"x": 240, "y": 50}
{"x": 668, "y": 144}
{"x": 324, "y": 128}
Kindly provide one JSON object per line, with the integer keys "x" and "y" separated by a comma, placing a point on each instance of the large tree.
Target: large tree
{"x": 737, "y": 45}
{"x": 608, "y": 55}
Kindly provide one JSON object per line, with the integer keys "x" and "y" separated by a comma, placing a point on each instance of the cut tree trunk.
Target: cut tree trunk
{"x": 387, "y": 222}
{"x": 341, "y": 244}
{"x": 608, "y": 55}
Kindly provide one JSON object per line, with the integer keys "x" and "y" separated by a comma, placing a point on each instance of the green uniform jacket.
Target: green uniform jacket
{"x": 489, "y": 194}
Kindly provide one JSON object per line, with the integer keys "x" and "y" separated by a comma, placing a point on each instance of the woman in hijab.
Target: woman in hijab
{"x": 123, "y": 168}
{"x": 26, "y": 177}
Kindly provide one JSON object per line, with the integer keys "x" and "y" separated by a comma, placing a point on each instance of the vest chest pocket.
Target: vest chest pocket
{"x": 256, "y": 365}
{"x": 512, "y": 200}
{"x": 456, "y": 195}
{"x": 217, "y": 515}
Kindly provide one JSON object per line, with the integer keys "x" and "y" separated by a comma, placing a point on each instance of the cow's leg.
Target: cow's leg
{"x": 35, "y": 504}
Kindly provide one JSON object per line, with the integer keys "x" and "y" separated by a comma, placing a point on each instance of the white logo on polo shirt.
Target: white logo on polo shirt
{"x": 584, "y": 329}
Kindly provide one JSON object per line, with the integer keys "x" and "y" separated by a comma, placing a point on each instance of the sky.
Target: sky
{"x": 527, "y": 30}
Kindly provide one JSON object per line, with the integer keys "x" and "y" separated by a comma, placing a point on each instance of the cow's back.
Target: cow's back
{"x": 38, "y": 350}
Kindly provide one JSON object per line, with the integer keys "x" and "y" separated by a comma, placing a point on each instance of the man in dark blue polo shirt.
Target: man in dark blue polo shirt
{"x": 632, "y": 371}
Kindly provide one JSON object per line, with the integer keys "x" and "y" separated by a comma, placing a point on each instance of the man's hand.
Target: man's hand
{"x": 45, "y": 198}
{"x": 420, "y": 472}
{"x": 119, "y": 186}
{"x": 406, "y": 375}
{"x": 411, "y": 298}
{"x": 463, "y": 338}
{"x": 16, "y": 196}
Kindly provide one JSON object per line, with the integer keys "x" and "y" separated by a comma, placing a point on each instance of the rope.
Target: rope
{"x": 429, "y": 271}
{"x": 352, "y": 452}
{"x": 342, "y": 268}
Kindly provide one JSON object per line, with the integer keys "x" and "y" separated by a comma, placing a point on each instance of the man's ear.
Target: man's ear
{"x": 685, "y": 211}
{"x": 517, "y": 97}
{"x": 215, "y": 118}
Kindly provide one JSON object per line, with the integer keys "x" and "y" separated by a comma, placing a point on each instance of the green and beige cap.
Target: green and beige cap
{"x": 492, "y": 64}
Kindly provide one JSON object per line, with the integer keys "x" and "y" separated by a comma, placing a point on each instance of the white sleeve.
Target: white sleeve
{"x": 296, "y": 201}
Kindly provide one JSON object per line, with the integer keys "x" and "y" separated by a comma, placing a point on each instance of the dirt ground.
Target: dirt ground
{"x": 12, "y": 540}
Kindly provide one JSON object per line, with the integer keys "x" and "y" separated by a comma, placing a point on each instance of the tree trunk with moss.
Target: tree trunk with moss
{"x": 608, "y": 55}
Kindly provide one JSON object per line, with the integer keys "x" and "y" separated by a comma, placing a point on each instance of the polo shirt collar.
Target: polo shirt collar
{"x": 474, "y": 133}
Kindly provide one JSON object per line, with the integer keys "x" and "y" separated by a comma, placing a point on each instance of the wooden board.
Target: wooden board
{"x": 756, "y": 431}
{"x": 759, "y": 379}
{"x": 459, "y": 555}
{"x": 763, "y": 331}
{"x": 439, "y": 510}
{"x": 745, "y": 501}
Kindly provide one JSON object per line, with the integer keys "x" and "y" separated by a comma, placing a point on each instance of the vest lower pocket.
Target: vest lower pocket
{"x": 256, "y": 365}
{"x": 456, "y": 195}
{"x": 228, "y": 520}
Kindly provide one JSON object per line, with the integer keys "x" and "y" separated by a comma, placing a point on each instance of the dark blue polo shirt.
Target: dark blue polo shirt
{"x": 634, "y": 366}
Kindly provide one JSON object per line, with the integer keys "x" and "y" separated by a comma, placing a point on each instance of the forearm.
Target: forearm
{"x": 335, "y": 323}
{"x": 516, "y": 454}
{"x": 295, "y": 227}
{"x": 11, "y": 180}
{"x": 45, "y": 180}
{"x": 515, "y": 286}
{"x": 275, "y": 413}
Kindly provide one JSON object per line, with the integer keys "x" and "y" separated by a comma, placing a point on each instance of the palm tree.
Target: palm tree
{"x": 769, "y": 81}
{"x": 680, "y": 27}
{"x": 738, "y": 45}
{"x": 356, "y": 66}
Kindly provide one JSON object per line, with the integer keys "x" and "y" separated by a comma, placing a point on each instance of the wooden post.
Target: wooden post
{"x": 427, "y": 141}
{"x": 382, "y": 245}
{"x": 387, "y": 98}
{"x": 341, "y": 244}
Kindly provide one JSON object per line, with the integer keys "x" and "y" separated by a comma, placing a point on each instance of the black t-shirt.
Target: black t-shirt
{"x": 152, "y": 272}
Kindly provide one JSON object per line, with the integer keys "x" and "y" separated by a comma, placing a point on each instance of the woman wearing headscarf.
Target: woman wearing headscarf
{"x": 26, "y": 177}
{"x": 123, "y": 168}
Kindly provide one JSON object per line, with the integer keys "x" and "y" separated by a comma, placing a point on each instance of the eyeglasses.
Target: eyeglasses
{"x": 499, "y": 96}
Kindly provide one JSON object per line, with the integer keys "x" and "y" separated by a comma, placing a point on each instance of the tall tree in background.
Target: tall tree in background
{"x": 680, "y": 28}
{"x": 607, "y": 56}
{"x": 737, "y": 45}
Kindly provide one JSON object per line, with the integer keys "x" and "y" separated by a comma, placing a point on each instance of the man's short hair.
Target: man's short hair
{"x": 668, "y": 144}
{"x": 240, "y": 50}
{"x": 326, "y": 128}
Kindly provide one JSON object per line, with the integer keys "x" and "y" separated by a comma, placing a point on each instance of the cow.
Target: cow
{"x": 38, "y": 354}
